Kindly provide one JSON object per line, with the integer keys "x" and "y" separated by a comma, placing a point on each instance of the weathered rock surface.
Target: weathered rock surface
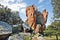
{"x": 45, "y": 15}
{"x": 19, "y": 36}
{"x": 16, "y": 37}
{"x": 31, "y": 18}
{"x": 5, "y": 28}
{"x": 38, "y": 38}
{"x": 34, "y": 17}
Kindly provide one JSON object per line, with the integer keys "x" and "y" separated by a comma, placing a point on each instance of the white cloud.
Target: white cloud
{"x": 12, "y": 0}
{"x": 22, "y": 10}
{"x": 40, "y": 1}
{"x": 14, "y": 6}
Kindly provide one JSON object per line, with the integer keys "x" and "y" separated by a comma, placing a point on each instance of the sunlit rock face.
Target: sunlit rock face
{"x": 34, "y": 17}
{"x": 45, "y": 15}
{"x": 38, "y": 28}
{"x": 31, "y": 18}
{"x": 5, "y": 28}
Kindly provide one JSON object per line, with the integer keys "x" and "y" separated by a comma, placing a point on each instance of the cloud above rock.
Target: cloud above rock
{"x": 40, "y": 1}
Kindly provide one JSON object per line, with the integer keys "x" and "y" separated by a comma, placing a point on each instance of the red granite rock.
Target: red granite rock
{"x": 31, "y": 18}
{"x": 34, "y": 17}
{"x": 45, "y": 15}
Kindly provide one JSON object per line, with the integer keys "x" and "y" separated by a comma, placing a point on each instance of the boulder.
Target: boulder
{"x": 5, "y": 28}
{"x": 16, "y": 37}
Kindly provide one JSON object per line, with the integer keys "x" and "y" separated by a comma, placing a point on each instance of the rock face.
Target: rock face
{"x": 31, "y": 18}
{"x": 5, "y": 28}
{"x": 16, "y": 37}
{"x": 38, "y": 28}
{"x": 34, "y": 17}
{"x": 45, "y": 15}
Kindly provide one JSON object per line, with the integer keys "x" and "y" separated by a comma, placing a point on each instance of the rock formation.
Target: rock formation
{"x": 31, "y": 18}
{"x": 45, "y": 14}
{"x": 36, "y": 19}
{"x": 5, "y": 30}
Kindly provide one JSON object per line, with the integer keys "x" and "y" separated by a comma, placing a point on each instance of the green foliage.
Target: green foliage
{"x": 11, "y": 17}
{"x": 26, "y": 38}
{"x": 56, "y": 8}
{"x": 53, "y": 28}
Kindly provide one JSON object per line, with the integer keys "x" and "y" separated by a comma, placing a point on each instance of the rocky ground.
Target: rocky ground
{"x": 38, "y": 38}
{"x": 20, "y": 36}
{"x": 16, "y": 37}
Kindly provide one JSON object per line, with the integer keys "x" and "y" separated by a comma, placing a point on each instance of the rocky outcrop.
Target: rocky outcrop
{"x": 16, "y": 37}
{"x": 5, "y": 30}
{"x": 45, "y": 15}
{"x": 31, "y": 18}
{"x": 34, "y": 17}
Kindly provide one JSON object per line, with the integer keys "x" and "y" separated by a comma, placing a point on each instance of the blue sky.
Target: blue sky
{"x": 20, "y": 5}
